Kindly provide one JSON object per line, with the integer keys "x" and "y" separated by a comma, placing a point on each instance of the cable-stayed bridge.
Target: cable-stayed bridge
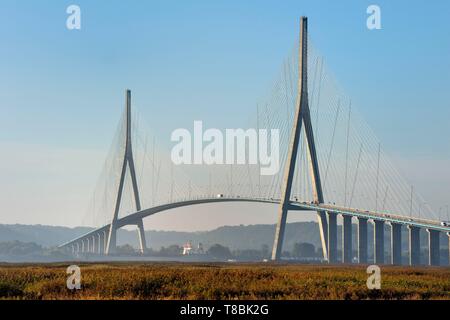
{"x": 330, "y": 163}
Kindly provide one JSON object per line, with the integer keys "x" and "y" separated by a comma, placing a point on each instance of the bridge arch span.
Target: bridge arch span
{"x": 138, "y": 216}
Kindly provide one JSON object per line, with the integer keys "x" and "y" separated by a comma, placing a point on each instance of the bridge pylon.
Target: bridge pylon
{"x": 302, "y": 116}
{"x": 127, "y": 161}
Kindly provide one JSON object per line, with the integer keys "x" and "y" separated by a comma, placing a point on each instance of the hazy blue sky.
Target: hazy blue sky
{"x": 61, "y": 91}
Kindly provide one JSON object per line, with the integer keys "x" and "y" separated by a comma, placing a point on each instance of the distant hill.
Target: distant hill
{"x": 47, "y": 236}
{"x": 237, "y": 237}
{"x": 234, "y": 237}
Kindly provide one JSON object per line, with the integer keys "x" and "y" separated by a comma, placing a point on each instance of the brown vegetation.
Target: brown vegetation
{"x": 220, "y": 281}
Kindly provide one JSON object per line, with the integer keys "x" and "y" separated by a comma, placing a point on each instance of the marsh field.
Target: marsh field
{"x": 220, "y": 281}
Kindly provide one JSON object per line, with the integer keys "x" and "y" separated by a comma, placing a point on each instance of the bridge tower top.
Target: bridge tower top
{"x": 128, "y": 121}
{"x": 303, "y": 58}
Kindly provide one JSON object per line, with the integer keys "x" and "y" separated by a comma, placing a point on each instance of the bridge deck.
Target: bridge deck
{"x": 295, "y": 205}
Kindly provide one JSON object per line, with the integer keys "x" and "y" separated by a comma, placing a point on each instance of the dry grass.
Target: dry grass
{"x": 220, "y": 281}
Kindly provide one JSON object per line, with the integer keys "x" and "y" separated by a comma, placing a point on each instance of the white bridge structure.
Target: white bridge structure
{"x": 332, "y": 163}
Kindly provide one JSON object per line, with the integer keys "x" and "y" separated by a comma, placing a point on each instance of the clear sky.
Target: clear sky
{"x": 61, "y": 91}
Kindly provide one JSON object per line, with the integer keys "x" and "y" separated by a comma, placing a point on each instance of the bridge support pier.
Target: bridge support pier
{"x": 100, "y": 243}
{"x": 347, "y": 250}
{"x": 105, "y": 241}
{"x": 379, "y": 241}
{"x": 141, "y": 232}
{"x": 448, "y": 235}
{"x": 362, "y": 240}
{"x": 112, "y": 240}
{"x": 93, "y": 243}
{"x": 396, "y": 243}
{"x": 433, "y": 247}
{"x": 332, "y": 237}
{"x": 414, "y": 246}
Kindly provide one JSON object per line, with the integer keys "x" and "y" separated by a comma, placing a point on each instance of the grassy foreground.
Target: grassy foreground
{"x": 220, "y": 281}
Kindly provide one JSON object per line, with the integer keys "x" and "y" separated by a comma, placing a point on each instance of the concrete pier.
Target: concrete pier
{"x": 414, "y": 246}
{"x": 332, "y": 237}
{"x": 448, "y": 235}
{"x": 141, "y": 233}
{"x": 347, "y": 249}
{"x": 433, "y": 248}
{"x": 93, "y": 244}
{"x": 379, "y": 241}
{"x": 396, "y": 243}
{"x": 362, "y": 240}
{"x": 100, "y": 243}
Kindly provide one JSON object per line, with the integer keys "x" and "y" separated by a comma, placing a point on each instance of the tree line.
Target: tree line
{"x": 217, "y": 251}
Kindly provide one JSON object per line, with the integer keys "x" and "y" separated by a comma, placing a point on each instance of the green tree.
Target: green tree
{"x": 304, "y": 250}
{"x": 125, "y": 250}
{"x": 220, "y": 252}
{"x": 265, "y": 251}
{"x": 248, "y": 255}
{"x": 171, "y": 251}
